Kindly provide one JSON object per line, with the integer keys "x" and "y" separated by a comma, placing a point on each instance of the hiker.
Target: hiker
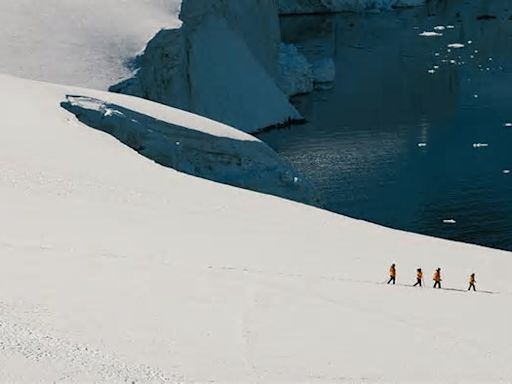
{"x": 472, "y": 282}
{"x": 437, "y": 278}
{"x": 419, "y": 277}
{"x": 392, "y": 274}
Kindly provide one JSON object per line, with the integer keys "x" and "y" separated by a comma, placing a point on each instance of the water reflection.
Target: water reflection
{"x": 394, "y": 143}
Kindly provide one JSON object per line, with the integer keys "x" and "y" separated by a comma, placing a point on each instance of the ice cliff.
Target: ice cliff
{"x": 222, "y": 63}
{"x": 317, "y": 6}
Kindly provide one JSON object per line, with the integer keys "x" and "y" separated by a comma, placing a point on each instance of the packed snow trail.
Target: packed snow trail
{"x": 115, "y": 269}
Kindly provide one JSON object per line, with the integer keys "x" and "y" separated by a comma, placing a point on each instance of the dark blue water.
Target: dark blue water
{"x": 362, "y": 145}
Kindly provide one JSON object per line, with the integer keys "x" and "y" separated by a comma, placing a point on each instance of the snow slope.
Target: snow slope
{"x": 79, "y": 42}
{"x": 115, "y": 269}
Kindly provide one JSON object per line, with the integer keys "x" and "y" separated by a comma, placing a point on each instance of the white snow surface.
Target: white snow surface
{"x": 115, "y": 269}
{"x": 79, "y": 42}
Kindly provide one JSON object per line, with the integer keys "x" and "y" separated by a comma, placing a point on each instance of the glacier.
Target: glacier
{"x": 216, "y": 58}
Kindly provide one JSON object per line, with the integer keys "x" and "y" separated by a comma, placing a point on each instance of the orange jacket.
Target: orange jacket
{"x": 392, "y": 272}
{"x": 437, "y": 276}
{"x": 419, "y": 275}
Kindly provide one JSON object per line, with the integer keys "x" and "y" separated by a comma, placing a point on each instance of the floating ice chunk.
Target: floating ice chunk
{"x": 436, "y": 66}
{"x": 480, "y": 145}
{"x": 450, "y": 26}
{"x": 430, "y": 34}
{"x": 475, "y": 51}
{"x": 508, "y": 124}
{"x": 431, "y": 71}
{"x": 456, "y": 45}
{"x": 490, "y": 58}
{"x": 421, "y": 145}
{"x": 436, "y": 54}
{"x": 449, "y": 221}
{"x": 470, "y": 41}
{"x": 295, "y": 179}
{"x": 439, "y": 28}
{"x": 453, "y": 62}
{"x": 506, "y": 171}
{"x": 471, "y": 56}
{"x": 475, "y": 95}
{"x": 448, "y": 50}
{"x": 178, "y": 143}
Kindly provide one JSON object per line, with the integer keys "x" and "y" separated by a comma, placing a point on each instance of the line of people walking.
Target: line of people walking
{"x": 436, "y": 277}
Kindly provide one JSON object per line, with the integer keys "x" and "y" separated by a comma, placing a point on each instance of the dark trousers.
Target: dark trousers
{"x": 391, "y": 279}
{"x": 418, "y": 282}
{"x": 437, "y": 284}
{"x": 471, "y": 285}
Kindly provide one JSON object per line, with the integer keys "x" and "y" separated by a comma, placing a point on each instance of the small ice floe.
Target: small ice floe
{"x": 450, "y": 26}
{"x": 506, "y": 171}
{"x": 295, "y": 179}
{"x": 508, "y": 125}
{"x": 430, "y": 34}
{"x": 422, "y": 145}
{"x": 178, "y": 143}
{"x": 470, "y": 41}
{"x": 475, "y": 51}
{"x": 453, "y": 62}
{"x": 490, "y": 59}
{"x": 449, "y": 221}
{"x": 444, "y": 61}
{"x": 436, "y": 66}
{"x": 480, "y": 145}
{"x": 431, "y": 71}
{"x": 456, "y": 45}
{"x": 439, "y": 28}
{"x": 448, "y": 50}
{"x": 475, "y": 95}
{"x": 471, "y": 56}
{"x": 436, "y": 54}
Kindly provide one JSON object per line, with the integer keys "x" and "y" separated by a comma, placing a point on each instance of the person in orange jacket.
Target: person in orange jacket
{"x": 392, "y": 274}
{"x": 472, "y": 282}
{"x": 437, "y": 278}
{"x": 419, "y": 277}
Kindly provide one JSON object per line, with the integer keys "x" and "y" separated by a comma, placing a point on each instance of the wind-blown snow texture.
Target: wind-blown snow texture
{"x": 115, "y": 269}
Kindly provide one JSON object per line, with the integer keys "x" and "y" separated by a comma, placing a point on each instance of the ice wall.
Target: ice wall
{"x": 317, "y": 6}
{"x": 222, "y": 64}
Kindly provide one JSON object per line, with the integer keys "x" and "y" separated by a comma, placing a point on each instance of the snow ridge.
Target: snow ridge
{"x": 249, "y": 164}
